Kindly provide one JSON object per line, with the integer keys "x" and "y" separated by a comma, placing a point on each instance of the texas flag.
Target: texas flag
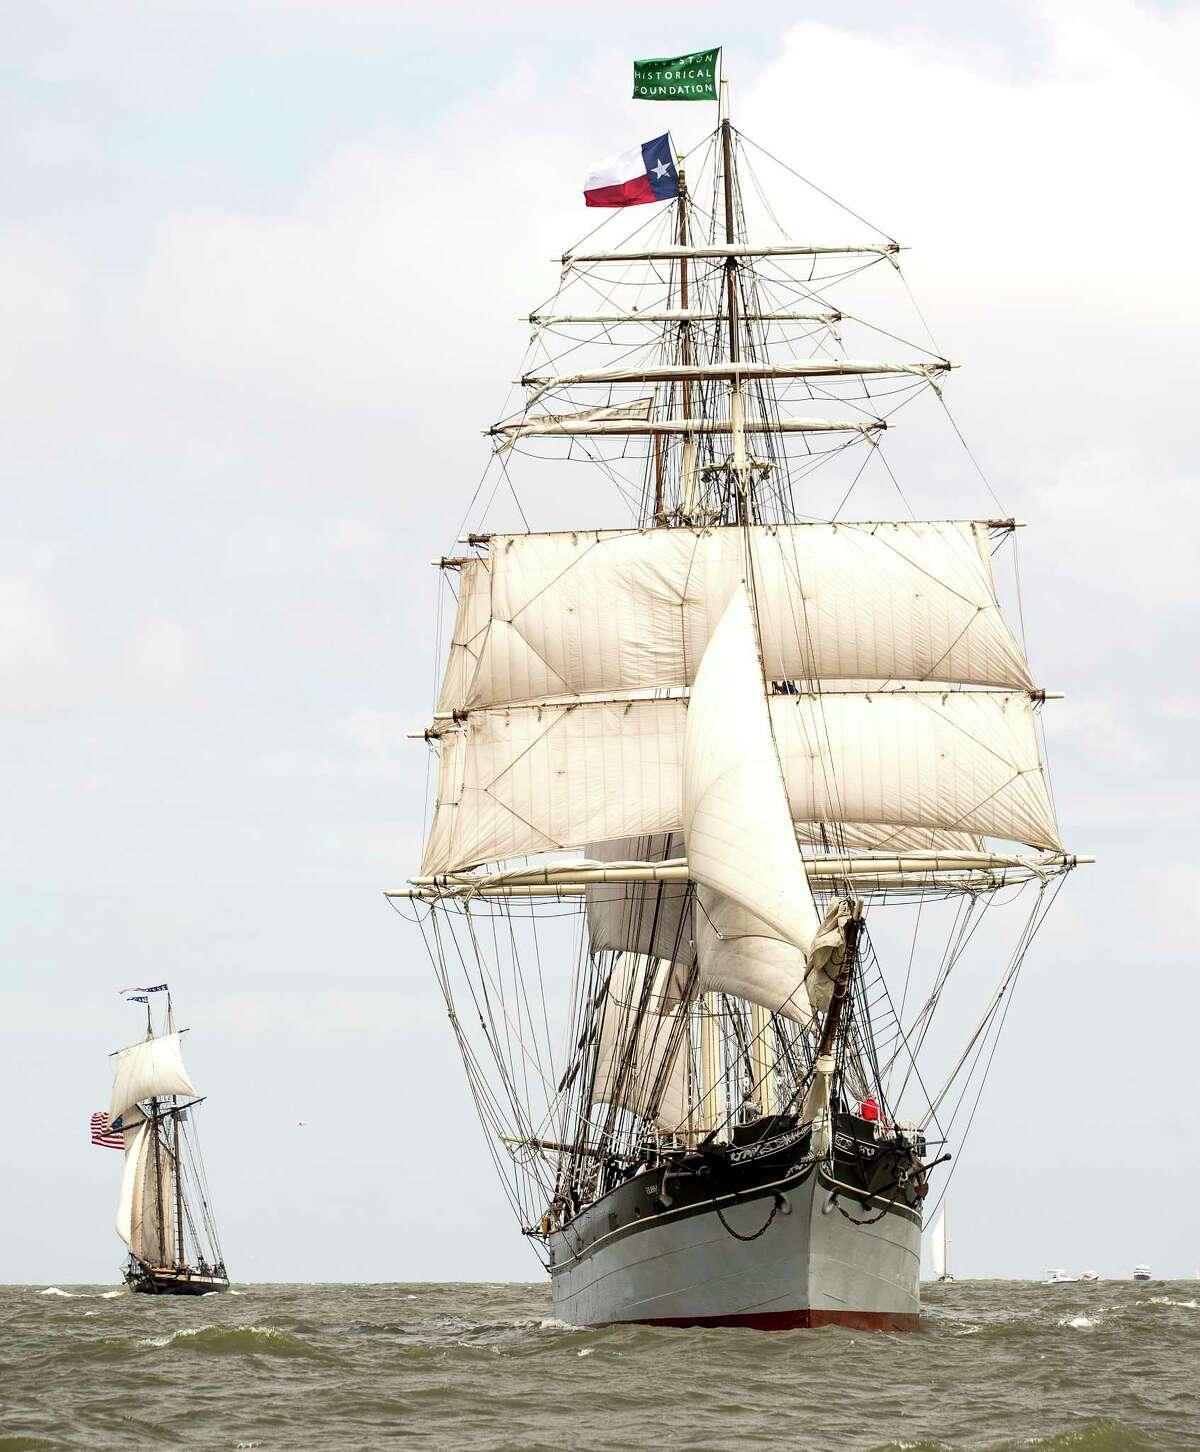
{"x": 647, "y": 173}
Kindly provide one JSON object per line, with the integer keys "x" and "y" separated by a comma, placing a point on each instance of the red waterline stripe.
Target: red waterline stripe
{"x": 804, "y": 1319}
{"x": 624, "y": 194}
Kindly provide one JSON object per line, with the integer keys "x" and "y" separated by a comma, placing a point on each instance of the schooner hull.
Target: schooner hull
{"x": 174, "y": 1283}
{"x": 824, "y": 1258}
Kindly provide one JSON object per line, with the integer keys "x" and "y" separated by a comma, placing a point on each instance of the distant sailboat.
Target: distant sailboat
{"x": 163, "y": 1214}
{"x": 939, "y": 1249}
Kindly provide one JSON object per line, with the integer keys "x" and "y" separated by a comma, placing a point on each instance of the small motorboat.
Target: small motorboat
{"x": 1089, "y": 1276}
{"x": 1060, "y": 1278}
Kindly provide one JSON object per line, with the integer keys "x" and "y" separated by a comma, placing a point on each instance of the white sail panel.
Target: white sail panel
{"x": 636, "y": 1058}
{"x": 653, "y": 919}
{"x": 736, "y": 824}
{"x": 741, "y": 955}
{"x": 535, "y": 779}
{"x": 541, "y": 778}
{"x": 611, "y": 611}
{"x": 135, "y": 1139}
{"x": 146, "y": 1070}
{"x": 153, "y": 1198}
{"x": 937, "y": 1246}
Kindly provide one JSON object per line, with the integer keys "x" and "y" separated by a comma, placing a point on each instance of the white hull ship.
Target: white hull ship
{"x": 163, "y": 1213}
{"x": 688, "y": 772}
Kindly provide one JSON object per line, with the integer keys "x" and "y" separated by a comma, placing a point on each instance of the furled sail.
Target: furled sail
{"x": 547, "y": 778}
{"x": 641, "y": 1052}
{"x": 146, "y": 1070}
{"x": 611, "y": 611}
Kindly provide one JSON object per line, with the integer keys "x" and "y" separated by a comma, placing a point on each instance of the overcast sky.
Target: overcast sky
{"x": 260, "y": 270}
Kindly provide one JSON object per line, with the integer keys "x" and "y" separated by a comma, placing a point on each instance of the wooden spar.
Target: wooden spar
{"x": 736, "y": 371}
{"x": 741, "y": 473}
{"x": 178, "y": 1161}
{"x": 635, "y": 428}
{"x": 585, "y": 874}
{"x": 682, "y": 314}
{"x": 688, "y": 479}
{"x": 715, "y": 252}
{"x": 762, "y": 1059}
{"x": 178, "y": 1193}
{"x": 658, "y": 479}
{"x": 158, "y": 1186}
{"x": 563, "y": 1148}
{"x": 833, "y": 1017}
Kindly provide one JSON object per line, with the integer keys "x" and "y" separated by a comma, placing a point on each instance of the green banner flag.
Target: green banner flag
{"x": 678, "y": 78}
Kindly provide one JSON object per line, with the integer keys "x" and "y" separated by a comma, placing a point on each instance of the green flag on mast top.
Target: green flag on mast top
{"x": 677, "y": 78}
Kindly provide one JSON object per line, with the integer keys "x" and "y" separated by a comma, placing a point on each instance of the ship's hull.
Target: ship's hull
{"x": 167, "y": 1281}
{"x": 807, "y": 1247}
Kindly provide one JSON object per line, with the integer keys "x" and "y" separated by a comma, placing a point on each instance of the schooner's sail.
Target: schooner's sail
{"x": 163, "y": 1214}
{"x": 706, "y": 782}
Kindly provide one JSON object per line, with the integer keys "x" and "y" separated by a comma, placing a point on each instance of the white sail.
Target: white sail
{"x": 736, "y": 824}
{"x": 631, "y": 1065}
{"x": 746, "y": 957}
{"x": 536, "y": 779}
{"x": 135, "y": 1138}
{"x": 938, "y": 1245}
{"x": 613, "y": 611}
{"x": 146, "y": 1070}
{"x": 151, "y": 1201}
{"x": 655, "y": 920}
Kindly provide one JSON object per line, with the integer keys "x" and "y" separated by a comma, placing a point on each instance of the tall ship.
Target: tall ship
{"x": 726, "y": 782}
{"x": 163, "y": 1211}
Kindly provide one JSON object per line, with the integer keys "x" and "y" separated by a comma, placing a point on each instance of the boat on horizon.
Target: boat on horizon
{"x": 1060, "y": 1278}
{"x": 939, "y": 1248}
{"x": 163, "y": 1211}
{"x": 1142, "y": 1273}
{"x": 708, "y": 770}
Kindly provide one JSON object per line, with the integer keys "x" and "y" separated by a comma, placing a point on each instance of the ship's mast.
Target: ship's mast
{"x": 178, "y": 1160}
{"x": 736, "y": 413}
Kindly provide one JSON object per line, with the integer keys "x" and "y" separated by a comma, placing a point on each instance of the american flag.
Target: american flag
{"x": 103, "y": 1133}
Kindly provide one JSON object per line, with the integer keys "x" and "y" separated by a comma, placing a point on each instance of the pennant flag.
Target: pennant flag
{"x": 136, "y": 998}
{"x": 154, "y": 988}
{"x": 677, "y": 78}
{"x": 104, "y": 1134}
{"x": 646, "y": 173}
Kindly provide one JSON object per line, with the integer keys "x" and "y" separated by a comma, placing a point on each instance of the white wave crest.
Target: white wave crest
{"x": 54, "y": 1291}
{"x": 1078, "y": 1323}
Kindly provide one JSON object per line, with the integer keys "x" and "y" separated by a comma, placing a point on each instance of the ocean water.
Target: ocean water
{"x": 997, "y": 1364}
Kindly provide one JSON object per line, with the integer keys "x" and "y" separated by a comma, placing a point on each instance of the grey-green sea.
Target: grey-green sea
{"x": 996, "y": 1364}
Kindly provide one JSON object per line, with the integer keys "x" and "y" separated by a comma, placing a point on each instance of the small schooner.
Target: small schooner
{"x": 163, "y": 1214}
{"x": 731, "y": 783}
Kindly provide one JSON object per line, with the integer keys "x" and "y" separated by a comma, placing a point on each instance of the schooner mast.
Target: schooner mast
{"x": 750, "y": 732}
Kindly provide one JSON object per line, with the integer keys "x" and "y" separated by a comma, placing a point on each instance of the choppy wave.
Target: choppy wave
{"x": 996, "y": 1367}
